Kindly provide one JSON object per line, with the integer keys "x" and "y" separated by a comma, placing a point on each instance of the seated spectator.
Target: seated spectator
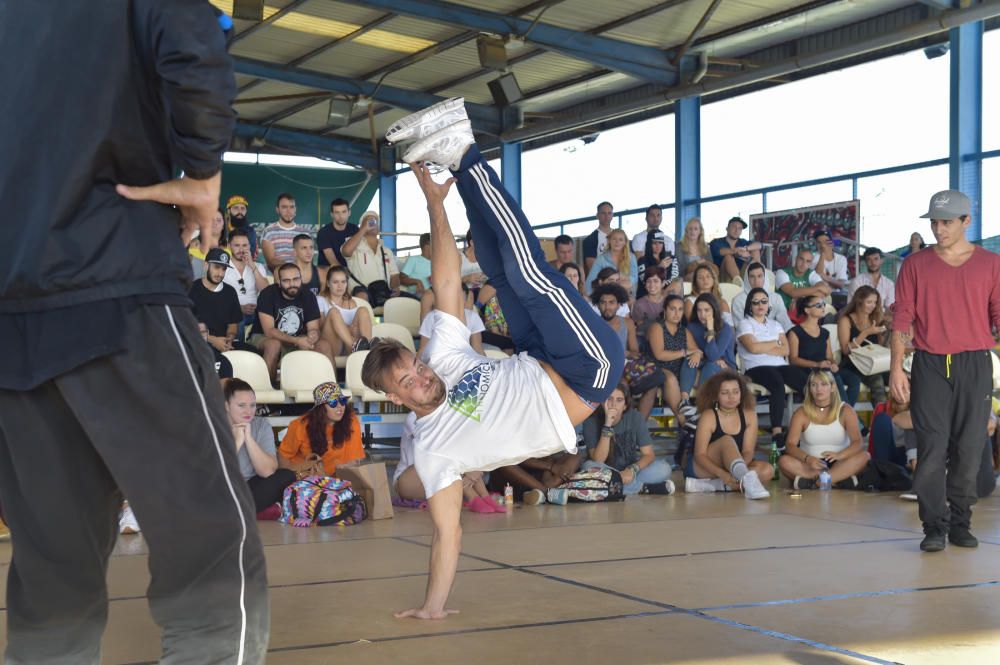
{"x": 496, "y": 332}
{"x": 823, "y": 434}
{"x": 692, "y": 250}
{"x": 756, "y": 278}
{"x": 731, "y": 253}
{"x": 608, "y": 276}
{"x": 874, "y": 278}
{"x": 331, "y": 237}
{"x": 472, "y": 275}
{"x": 408, "y": 485}
{"x": 829, "y": 265}
{"x": 667, "y": 340}
{"x": 346, "y": 326}
{"x": 642, "y": 374}
{"x": 417, "y": 268}
{"x": 712, "y": 342}
{"x": 619, "y": 257}
{"x": 573, "y": 274}
{"x": 247, "y": 277}
{"x": 705, "y": 280}
{"x": 223, "y": 367}
{"x": 215, "y": 302}
{"x": 675, "y": 287}
{"x": 305, "y": 251}
{"x": 236, "y": 213}
{"x": 532, "y": 478}
{"x": 255, "y": 450}
{"x": 596, "y": 243}
{"x": 219, "y": 234}
{"x": 649, "y": 307}
{"x": 763, "y": 348}
{"x": 472, "y": 322}
{"x": 565, "y": 252}
{"x": 800, "y": 280}
{"x": 725, "y": 440}
{"x": 370, "y": 261}
{"x": 287, "y": 320}
{"x": 640, "y": 241}
{"x": 656, "y": 255}
{"x": 330, "y": 432}
{"x": 277, "y": 238}
{"x": 616, "y": 437}
{"x": 861, "y": 322}
{"x": 809, "y": 345}
{"x": 916, "y": 244}
{"x": 755, "y": 259}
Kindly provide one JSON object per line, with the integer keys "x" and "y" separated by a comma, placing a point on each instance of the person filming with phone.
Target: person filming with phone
{"x": 370, "y": 263}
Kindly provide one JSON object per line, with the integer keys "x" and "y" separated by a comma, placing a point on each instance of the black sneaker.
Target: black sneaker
{"x": 933, "y": 541}
{"x": 666, "y": 487}
{"x": 849, "y": 483}
{"x": 801, "y": 483}
{"x": 361, "y": 344}
{"x": 962, "y": 537}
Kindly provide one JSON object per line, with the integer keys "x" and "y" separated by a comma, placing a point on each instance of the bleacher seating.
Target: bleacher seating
{"x": 251, "y": 368}
{"x": 394, "y": 331}
{"x": 404, "y": 312}
{"x": 301, "y": 372}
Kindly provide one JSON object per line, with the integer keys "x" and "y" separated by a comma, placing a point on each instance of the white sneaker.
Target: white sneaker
{"x": 752, "y": 487}
{"x": 558, "y": 496}
{"x": 533, "y": 498}
{"x": 427, "y": 121}
{"x": 127, "y": 524}
{"x": 443, "y": 148}
{"x": 908, "y": 496}
{"x": 703, "y": 485}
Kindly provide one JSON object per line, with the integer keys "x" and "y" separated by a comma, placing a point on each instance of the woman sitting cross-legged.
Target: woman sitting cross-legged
{"x": 823, "y": 434}
{"x": 255, "y": 450}
{"x": 712, "y": 343}
{"x": 347, "y": 326}
{"x": 329, "y": 432}
{"x": 668, "y": 339}
{"x": 616, "y": 437}
{"x": 725, "y": 440}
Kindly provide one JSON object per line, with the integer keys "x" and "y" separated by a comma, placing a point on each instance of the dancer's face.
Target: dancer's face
{"x": 415, "y": 385}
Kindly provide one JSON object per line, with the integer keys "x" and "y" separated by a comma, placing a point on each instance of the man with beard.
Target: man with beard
{"x": 874, "y": 278}
{"x": 287, "y": 320}
{"x": 236, "y": 211}
{"x": 608, "y": 298}
{"x": 247, "y": 276}
{"x": 476, "y": 413}
{"x": 215, "y": 302}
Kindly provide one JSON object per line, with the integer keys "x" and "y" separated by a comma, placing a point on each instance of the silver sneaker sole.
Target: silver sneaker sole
{"x": 424, "y": 123}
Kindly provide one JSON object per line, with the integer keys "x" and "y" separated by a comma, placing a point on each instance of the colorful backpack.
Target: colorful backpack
{"x": 597, "y": 484}
{"x": 321, "y": 501}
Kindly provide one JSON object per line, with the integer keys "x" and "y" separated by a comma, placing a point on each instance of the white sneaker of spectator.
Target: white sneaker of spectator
{"x": 752, "y": 487}
{"x": 533, "y": 498}
{"x": 704, "y": 485}
{"x": 127, "y": 524}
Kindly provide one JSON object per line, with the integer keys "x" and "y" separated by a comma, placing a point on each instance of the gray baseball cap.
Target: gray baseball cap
{"x": 948, "y": 204}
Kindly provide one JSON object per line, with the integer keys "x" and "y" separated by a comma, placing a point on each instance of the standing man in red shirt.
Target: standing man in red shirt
{"x": 950, "y": 295}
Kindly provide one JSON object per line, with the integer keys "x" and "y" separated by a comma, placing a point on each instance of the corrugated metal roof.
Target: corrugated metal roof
{"x": 551, "y": 81}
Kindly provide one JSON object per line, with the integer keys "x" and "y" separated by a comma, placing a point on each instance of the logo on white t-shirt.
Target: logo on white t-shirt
{"x": 468, "y": 393}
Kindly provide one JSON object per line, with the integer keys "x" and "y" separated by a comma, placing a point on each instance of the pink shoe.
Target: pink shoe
{"x": 270, "y": 514}
{"x": 480, "y": 505}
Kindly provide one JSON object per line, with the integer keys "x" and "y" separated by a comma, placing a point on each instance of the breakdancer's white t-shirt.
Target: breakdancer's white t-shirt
{"x": 495, "y": 413}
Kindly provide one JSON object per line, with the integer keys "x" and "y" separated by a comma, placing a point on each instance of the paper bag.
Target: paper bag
{"x": 371, "y": 481}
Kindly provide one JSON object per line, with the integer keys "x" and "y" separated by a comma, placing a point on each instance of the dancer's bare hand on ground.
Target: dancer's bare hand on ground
{"x": 197, "y": 200}
{"x": 421, "y": 613}
{"x": 899, "y": 385}
{"x": 434, "y": 192}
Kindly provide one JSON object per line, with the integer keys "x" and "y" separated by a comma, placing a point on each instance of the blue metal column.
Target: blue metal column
{"x": 510, "y": 168}
{"x": 966, "y": 118}
{"x": 387, "y": 194}
{"x": 687, "y": 154}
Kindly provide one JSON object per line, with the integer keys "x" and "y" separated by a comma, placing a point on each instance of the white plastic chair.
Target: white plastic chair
{"x": 354, "y": 383}
{"x": 403, "y": 311}
{"x": 394, "y": 331}
{"x": 251, "y": 368}
{"x": 302, "y": 371}
{"x": 730, "y": 291}
{"x": 834, "y": 342}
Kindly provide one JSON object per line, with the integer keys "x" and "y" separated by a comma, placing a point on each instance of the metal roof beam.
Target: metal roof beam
{"x": 634, "y": 59}
{"x": 485, "y": 116}
{"x": 349, "y": 152}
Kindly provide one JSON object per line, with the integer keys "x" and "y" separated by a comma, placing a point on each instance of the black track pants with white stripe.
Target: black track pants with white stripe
{"x": 149, "y": 423}
{"x": 546, "y": 315}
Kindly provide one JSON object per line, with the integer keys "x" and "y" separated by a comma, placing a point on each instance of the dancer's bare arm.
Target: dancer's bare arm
{"x": 446, "y": 264}
{"x": 446, "y": 508}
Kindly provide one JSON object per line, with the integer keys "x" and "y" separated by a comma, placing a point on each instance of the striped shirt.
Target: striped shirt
{"x": 281, "y": 239}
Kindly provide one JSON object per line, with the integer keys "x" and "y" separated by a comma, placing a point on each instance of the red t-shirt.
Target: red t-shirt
{"x": 952, "y": 308}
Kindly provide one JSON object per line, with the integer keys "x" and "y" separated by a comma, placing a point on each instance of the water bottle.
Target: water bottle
{"x": 825, "y": 482}
{"x": 772, "y": 459}
{"x": 508, "y": 495}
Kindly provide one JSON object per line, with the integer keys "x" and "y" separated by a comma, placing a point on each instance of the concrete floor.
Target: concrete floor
{"x": 829, "y": 578}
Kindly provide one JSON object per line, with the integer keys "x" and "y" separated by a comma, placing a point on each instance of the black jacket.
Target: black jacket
{"x": 96, "y": 94}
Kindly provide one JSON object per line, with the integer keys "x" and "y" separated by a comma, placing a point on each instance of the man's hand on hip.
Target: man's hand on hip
{"x": 197, "y": 200}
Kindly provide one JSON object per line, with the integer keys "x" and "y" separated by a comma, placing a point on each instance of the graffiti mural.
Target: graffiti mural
{"x": 799, "y": 224}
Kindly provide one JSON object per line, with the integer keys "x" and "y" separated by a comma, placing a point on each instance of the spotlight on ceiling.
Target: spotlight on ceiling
{"x": 505, "y": 90}
{"x": 492, "y": 52}
{"x": 340, "y": 112}
{"x": 936, "y": 51}
{"x": 248, "y": 10}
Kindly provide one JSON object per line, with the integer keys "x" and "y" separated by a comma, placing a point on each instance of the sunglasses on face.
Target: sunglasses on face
{"x": 337, "y": 401}
{"x": 759, "y": 302}
{"x": 817, "y": 305}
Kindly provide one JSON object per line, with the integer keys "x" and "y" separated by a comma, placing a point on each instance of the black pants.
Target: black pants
{"x": 270, "y": 490}
{"x": 149, "y": 423}
{"x": 950, "y": 405}
{"x": 775, "y": 379}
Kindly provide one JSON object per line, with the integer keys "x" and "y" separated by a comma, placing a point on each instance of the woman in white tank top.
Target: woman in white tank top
{"x": 823, "y": 434}
{"x": 346, "y": 325}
